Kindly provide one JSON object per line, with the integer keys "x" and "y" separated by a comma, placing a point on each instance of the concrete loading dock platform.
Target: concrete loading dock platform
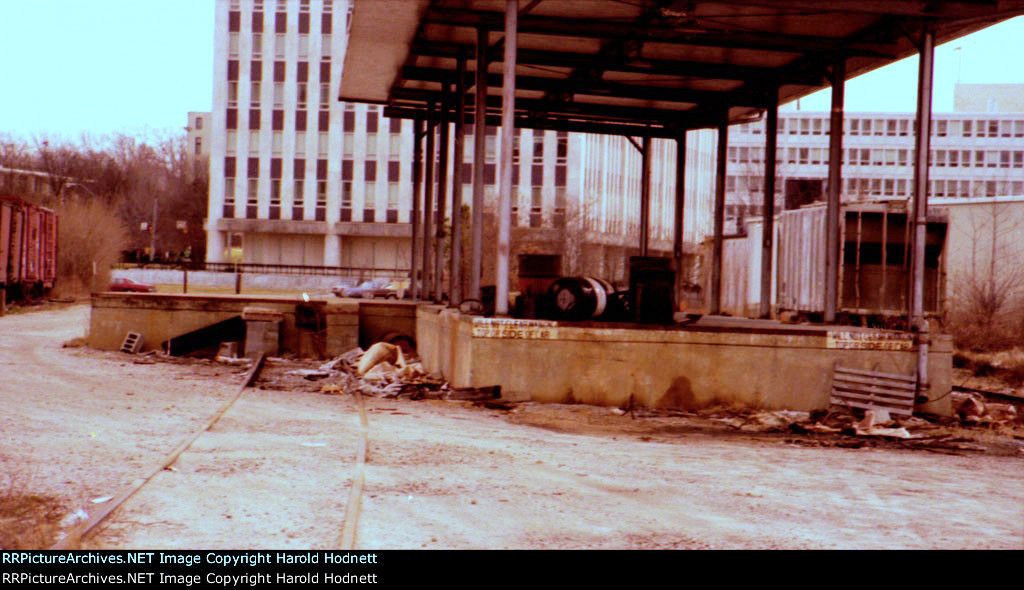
{"x": 317, "y": 328}
{"x": 759, "y": 363}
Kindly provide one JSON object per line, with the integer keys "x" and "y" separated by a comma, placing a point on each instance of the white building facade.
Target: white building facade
{"x": 972, "y": 155}
{"x": 299, "y": 178}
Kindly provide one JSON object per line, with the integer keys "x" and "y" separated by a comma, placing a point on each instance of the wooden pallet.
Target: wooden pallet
{"x": 132, "y": 343}
{"x": 872, "y": 390}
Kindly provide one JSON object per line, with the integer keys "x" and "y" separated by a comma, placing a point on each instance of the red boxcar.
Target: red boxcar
{"x": 28, "y": 248}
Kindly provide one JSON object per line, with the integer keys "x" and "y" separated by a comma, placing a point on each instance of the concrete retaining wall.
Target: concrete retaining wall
{"x": 159, "y": 317}
{"x": 676, "y": 367}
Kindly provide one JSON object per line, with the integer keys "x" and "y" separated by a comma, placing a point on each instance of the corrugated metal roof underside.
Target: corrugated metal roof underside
{"x": 613, "y": 65}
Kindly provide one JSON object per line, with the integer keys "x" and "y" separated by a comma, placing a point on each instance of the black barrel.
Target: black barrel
{"x": 580, "y": 298}
{"x": 652, "y": 289}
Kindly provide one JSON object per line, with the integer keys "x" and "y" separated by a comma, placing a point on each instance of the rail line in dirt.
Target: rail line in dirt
{"x": 352, "y": 512}
{"x": 72, "y": 540}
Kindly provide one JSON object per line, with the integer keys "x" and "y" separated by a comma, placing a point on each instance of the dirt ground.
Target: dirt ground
{"x": 78, "y": 425}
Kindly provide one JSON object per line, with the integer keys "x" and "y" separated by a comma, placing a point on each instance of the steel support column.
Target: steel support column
{"x": 442, "y": 195}
{"x": 678, "y": 216}
{"x": 768, "y": 210}
{"x": 428, "y": 203}
{"x": 835, "y": 179}
{"x": 479, "y": 154}
{"x": 645, "y": 195}
{"x": 923, "y": 146}
{"x": 455, "y": 272}
{"x": 508, "y": 131}
{"x": 715, "y": 288}
{"x": 416, "y": 282}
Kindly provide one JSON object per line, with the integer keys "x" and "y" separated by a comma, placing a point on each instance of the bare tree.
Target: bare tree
{"x": 988, "y": 276}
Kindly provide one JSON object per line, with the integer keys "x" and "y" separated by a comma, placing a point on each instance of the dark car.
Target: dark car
{"x": 371, "y": 289}
{"x": 129, "y": 286}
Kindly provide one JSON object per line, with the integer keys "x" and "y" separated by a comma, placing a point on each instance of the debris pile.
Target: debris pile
{"x": 972, "y": 408}
{"x": 384, "y": 371}
{"x": 858, "y": 428}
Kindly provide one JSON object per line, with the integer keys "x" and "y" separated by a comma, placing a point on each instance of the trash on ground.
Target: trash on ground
{"x": 380, "y": 352}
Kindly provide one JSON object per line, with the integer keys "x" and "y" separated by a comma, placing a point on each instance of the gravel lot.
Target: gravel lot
{"x": 276, "y": 470}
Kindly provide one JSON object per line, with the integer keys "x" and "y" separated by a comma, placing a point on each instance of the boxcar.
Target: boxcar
{"x": 28, "y": 248}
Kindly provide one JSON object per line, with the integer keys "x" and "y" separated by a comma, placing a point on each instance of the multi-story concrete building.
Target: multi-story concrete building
{"x": 197, "y": 134}
{"x": 297, "y": 177}
{"x": 973, "y": 154}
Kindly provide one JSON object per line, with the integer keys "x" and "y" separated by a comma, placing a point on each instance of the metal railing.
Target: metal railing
{"x": 286, "y": 269}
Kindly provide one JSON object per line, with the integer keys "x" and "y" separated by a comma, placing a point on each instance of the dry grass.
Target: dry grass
{"x": 1005, "y": 365}
{"x": 89, "y": 233}
{"x": 27, "y": 520}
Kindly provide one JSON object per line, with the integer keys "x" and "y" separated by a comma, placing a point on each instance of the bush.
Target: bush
{"x": 88, "y": 232}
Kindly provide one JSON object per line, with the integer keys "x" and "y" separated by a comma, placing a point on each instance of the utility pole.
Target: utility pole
{"x": 152, "y": 230}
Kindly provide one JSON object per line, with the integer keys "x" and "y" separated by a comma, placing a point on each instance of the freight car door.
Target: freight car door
{"x": 32, "y": 249}
{"x": 49, "y": 248}
{"x": 16, "y": 255}
{"x": 5, "y": 242}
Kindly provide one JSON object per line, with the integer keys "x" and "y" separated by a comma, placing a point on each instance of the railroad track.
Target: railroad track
{"x": 73, "y": 538}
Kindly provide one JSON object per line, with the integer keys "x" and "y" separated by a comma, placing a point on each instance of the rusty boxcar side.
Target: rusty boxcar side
{"x": 28, "y": 248}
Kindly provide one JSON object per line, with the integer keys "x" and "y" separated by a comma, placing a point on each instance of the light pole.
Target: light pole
{"x": 152, "y": 229}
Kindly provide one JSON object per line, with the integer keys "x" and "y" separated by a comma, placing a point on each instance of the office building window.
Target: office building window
{"x": 393, "y": 189}
{"x": 231, "y": 119}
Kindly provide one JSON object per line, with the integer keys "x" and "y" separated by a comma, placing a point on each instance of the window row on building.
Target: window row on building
{"x": 882, "y": 157}
{"x": 857, "y": 188}
{"x": 943, "y": 126}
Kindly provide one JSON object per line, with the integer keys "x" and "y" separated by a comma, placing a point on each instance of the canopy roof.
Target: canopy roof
{"x": 626, "y": 66}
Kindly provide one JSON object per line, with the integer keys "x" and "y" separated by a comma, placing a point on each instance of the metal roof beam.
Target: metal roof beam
{"x": 601, "y": 29}
{"x": 912, "y": 8}
{"x": 600, "y": 88}
{"x": 532, "y": 105}
{"x": 557, "y": 124}
{"x": 637, "y": 65}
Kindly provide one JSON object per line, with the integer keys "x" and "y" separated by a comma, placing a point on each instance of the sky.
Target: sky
{"x": 103, "y": 66}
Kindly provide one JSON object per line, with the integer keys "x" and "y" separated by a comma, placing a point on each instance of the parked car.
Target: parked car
{"x": 129, "y": 286}
{"x": 372, "y": 289}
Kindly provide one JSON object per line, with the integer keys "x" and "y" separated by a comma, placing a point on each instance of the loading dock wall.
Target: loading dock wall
{"x": 780, "y": 368}
{"x": 159, "y": 317}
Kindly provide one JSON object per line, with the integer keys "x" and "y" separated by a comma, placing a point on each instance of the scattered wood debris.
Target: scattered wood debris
{"x": 384, "y": 371}
{"x": 974, "y": 408}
